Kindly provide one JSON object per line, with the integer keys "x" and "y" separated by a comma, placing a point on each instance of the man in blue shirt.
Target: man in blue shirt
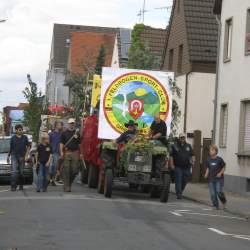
{"x": 55, "y": 139}
{"x": 19, "y": 148}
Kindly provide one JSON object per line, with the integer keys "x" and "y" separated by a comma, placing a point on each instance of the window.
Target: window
{"x": 223, "y": 125}
{"x": 180, "y": 59}
{"x": 244, "y": 143}
{"x": 228, "y": 40}
{"x": 247, "y": 47}
{"x": 171, "y": 59}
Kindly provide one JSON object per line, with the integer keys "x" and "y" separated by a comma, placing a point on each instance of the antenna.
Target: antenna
{"x": 143, "y": 10}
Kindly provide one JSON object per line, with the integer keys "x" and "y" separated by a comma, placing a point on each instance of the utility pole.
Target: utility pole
{"x": 143, "y": 10}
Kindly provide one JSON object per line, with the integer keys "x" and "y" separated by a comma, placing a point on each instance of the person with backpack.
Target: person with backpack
{"x": 19, "y": 150}
{"x": 215, "y": 168}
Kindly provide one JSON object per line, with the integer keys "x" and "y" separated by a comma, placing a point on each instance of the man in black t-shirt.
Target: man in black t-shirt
{"x": 158, "y": 129}
{"x": 19, "y": 148}
{"x": 182, "y": 158}
{"x": 70, "y": 153}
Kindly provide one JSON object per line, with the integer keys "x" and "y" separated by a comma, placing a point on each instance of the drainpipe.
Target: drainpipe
{"x": 217, "y": 79}
{"x": 186, "y": 101}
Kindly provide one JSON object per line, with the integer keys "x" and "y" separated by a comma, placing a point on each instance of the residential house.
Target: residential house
{"x": 56, "y": 91}
{"x": 191, "y": 53}
{"x": 154, "y": 38}
{"x": 233, "y": 94}
{"x": 84, "y": 49}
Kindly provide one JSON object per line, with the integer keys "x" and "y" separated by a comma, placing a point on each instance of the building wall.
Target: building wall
{"x": 115, "y": 56}
{"x": 177, "y": 37}
{"x": 56, "y": 92}
{"x": 200, "y": 96}
{"x": 233, "y": 87}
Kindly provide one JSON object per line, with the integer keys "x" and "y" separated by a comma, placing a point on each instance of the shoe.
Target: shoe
{"x": 179, "y": 197}
{"x": 13, "y": 189}
{"x": 53, "y": 184}
{"x": 224, "y": 207}
{"x": 21, "y": 188}
{"x": 38, "y": 191}
{"x": 44, "y": 190}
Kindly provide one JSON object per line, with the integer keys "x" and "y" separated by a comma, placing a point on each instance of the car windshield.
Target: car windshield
{"x": 4, "y": 145}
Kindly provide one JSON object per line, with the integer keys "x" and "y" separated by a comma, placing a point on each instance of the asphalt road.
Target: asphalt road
{"x": 129, "y": 221}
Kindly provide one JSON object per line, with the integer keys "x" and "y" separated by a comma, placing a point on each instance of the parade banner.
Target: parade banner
{"x": 96, "y": 91}
{"x": 136, "y": 95}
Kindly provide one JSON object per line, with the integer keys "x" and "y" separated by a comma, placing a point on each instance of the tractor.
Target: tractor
{"x": 142, "y": 163}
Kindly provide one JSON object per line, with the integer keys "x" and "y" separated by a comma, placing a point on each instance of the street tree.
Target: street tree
{"x": 140, "y": 55}
{"x": 100, "y": 61}
{"x": 32, "y": 114}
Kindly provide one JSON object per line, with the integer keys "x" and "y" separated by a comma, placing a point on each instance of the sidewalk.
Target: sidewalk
{"x": 237, "y": 204}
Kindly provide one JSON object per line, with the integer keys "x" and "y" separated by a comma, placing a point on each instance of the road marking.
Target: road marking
{"x": 207, "y": 209}
{"x": 217, "y": 231}
{"x": 2, "y": 191}
{"x": 176, "y": 214}
{"x": 180, "y": 212}
{"x": 242, "y": 237}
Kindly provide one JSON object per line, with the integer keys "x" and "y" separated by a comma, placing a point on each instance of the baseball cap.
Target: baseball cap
{"x": 71, "y": 120}
{"x": 181, "y": 135}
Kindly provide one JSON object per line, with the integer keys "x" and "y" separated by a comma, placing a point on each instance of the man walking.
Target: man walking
{"x": 70, "y": 153}
{"x": 182, "y": 159}
{"x": 19, "y": 148}
{"x": 55, "y": 139}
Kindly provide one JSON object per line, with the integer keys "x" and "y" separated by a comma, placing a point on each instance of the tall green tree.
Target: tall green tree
{"x": 140, "y": 55}
{"x": 32, "y": 115}
{"x": 100, "y": 61}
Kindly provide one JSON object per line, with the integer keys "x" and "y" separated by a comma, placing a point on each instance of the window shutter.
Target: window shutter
{"x": 247, "y": 128}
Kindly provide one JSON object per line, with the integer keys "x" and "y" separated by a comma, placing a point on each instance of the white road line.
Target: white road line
{"x": 216, "y": 215}
{"x": 217, "y": 231}
{"x": 2, "y": 191}
{"x": 242, "y": 237}
{"x": 176, "y": 214}
{"x": 207, "y": 209}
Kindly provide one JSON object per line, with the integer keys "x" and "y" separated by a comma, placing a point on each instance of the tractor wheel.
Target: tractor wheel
{"x": 85, "y": 172}
{"x": 108, "y": 183}
{"x": 93, "y": 176}
{"x": 165, "y": 188}
{"x": 100, "y": 187}
{"x": 154, "y": 192}
{"x": 145, "y": 189}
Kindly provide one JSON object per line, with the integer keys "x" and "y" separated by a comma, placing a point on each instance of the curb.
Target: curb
{"x": 245, "y": 216}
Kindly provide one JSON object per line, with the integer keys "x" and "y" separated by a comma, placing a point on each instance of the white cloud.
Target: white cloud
{"x": 25, "y": 38}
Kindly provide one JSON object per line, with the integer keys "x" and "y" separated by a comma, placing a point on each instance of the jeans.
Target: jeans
{"x": 53, "y": 165}
{"x": 216, "y": 191}
{"x": 42, "y": 181}
{"x": 182, "y": 176}
{"x": 17, "y": 167}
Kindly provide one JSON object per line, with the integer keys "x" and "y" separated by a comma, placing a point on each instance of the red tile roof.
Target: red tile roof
{"x": 84, "y": 50}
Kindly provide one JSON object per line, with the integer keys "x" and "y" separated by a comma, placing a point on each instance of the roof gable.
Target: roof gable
{"x": 62, "y": 32}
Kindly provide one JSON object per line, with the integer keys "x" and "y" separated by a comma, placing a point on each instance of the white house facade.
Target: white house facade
{"x": 233, "y": 103}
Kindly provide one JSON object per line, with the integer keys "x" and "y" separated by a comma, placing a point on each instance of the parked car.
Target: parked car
{"x": 5, "y": 168}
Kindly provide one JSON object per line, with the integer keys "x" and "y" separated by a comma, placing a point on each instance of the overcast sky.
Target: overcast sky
{"x": 25, "y": 38}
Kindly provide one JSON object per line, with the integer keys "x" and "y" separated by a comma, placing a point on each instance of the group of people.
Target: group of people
{"x": 58, "y": 155}
{"x": 182, "y": 160}
{"x": 62, "y": 147}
